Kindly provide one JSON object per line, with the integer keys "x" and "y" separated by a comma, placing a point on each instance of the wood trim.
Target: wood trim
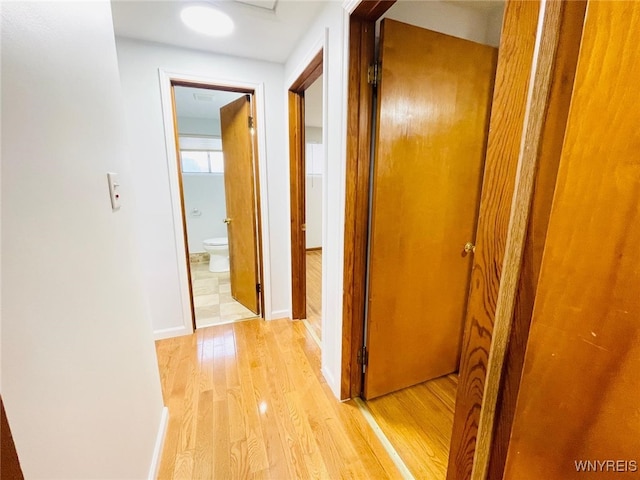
{"x": 256, "y": 186}
{"x": 297, "y": 183}
{"x": 552, "y": 140}
{"x": 209, "y": 86}
{"x": 11, "y": 469}
{"x": 505, "y": 132}
{"x": 314, "y": 249}
{"x": 360, "y": 108}
{"x": 182, "y": 202}
{"x": 309, "y": 75}
{"x": 537, "y": 102}
{"x": 372, "y": 10}
{"x": 297, "y": 192}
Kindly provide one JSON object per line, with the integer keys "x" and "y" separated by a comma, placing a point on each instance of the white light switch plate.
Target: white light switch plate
{"x": 114, "y": 190}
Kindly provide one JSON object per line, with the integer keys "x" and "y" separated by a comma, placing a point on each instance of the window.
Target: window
{"x": 201, "y": 162}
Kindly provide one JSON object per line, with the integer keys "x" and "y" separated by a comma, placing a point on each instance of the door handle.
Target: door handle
{"x": 227, "y": 221}
{"x": 469, "y": 248}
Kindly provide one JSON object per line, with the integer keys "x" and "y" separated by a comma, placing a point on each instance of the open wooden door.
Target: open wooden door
{"x": 240, "y": 195}
{"x": 434, "y": 98}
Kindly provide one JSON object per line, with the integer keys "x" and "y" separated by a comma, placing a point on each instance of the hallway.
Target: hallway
{"x": 247, "y": 400}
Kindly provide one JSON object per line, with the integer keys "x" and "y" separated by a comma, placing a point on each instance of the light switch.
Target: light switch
{"x": 114, "y": 190}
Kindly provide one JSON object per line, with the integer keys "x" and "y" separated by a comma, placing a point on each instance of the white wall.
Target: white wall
{"x": 331, "y": 27}
{"x": 314, "y": 157}
{"x": 80, "y": 379}
{"x": 199, "y": 126}
{"x": 313, "y": 211}
{"x": 478, "y": 25}
{"x": 205, "y": 193}
{"x": 139, "y": 63}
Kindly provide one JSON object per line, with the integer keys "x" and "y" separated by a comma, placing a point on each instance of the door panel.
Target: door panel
{"x": 240, "y": 195}
{"x": 578, "y": 398}
{"x": 433, "y": 110}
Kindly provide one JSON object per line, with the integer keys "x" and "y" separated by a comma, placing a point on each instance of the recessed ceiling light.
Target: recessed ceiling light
{"x": 207, "y": 21}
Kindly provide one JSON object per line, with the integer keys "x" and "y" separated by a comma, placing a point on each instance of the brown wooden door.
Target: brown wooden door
{"x": 433, "y": 110}
{"x": 577, "y": 408}
{"x": 240, "y": 195}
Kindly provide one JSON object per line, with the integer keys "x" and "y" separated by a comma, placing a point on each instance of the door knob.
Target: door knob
{"x": 469, "y": 248}
{"x": 227, "y": 221}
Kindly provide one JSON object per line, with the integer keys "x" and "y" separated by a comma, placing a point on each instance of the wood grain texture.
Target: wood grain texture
{"x": 545, "y": 182}
{"x": 297, "y": 199}
{"x": 359, "y": 111}
{"x": 176, "y": 139}
{"x": 10, "y": 468}
{"x": 240, "y": 197}
{"x": 256, "y": 181}
{"x": 372, "y": 10}
{"x": 507, "y": 116}
{"x": 434, "y": 100}
{"x": 309, "y": 75}
{"x": 418, "y": 421}
{"x": 584, "y": 350}
{"x": 537, "y": 102}
{"x": 314, "y": 291}
{"x": 248, "y": 400}
{"x": 297, "y": 179}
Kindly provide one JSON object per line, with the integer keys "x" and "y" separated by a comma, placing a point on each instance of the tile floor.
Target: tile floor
{"x": 212, "y": 297}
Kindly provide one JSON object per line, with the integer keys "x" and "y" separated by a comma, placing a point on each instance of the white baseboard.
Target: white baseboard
{"x": 157, "y": 449}
{"x": 171, "y": 332}
{"x": 278, "y": 314}
{"x": 331, "y": 381}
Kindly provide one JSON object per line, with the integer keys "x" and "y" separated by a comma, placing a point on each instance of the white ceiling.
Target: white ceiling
{"x": 260, "y": 32}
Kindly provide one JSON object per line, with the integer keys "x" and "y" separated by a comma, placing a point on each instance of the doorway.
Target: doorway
{"x": 314, "y": 170}
{"x": 217, "y": 169}
{"x": 307, "y": 165}
{"x": 429, "y": 136}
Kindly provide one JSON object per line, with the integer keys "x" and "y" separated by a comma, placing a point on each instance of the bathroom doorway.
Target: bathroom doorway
{"x": 217, "y": 165}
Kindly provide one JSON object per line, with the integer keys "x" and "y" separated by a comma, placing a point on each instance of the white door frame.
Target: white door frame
{"x": 166, "y": 78}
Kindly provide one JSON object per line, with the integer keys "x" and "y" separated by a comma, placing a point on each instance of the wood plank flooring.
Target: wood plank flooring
{"x": 314, "y": 291}
{"x": 418, "y": 422}
{"x": 247, "y": 400}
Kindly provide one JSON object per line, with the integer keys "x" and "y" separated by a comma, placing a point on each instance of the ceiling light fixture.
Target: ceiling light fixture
{"x": 207, "y": 21}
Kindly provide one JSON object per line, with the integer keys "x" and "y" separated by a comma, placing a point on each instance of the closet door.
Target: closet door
{"x": 434, "y": 100}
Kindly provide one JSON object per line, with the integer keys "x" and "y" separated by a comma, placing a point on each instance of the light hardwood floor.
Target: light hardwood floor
{"x": 247, "y": 400}
{"x": 418, "y": 422}
{"x": 314, "y": 291}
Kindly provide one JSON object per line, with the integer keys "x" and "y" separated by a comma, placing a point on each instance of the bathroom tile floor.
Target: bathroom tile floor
{"x": 212, "y": 297}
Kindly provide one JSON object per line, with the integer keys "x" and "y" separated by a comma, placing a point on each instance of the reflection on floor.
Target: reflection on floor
{"x": 418, "y": 421}
{"x": 314, "y": 291}
{"x": 248, "y": 400}
{"x": 212, "y": 297}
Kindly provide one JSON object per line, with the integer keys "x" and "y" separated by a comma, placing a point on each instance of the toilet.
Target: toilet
{"x": 218, "y": 249}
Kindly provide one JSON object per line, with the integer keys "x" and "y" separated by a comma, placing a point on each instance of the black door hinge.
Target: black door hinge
{"x": 250, "y": 122}
{"x": 259, "y": 287}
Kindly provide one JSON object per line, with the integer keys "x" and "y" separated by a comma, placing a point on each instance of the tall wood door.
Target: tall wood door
{"x": 240, "y": 195}
{"x": 577, "y": 408}
{"x": 434, "y": 99}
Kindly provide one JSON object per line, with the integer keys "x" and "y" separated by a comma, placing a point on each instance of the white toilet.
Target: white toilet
{"x": 218, "y": 249}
